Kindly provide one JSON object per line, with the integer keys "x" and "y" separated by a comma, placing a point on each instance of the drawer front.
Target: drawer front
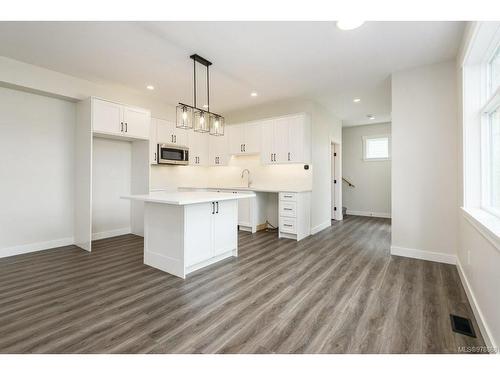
{"x": 288, "y": 225}
{"x": 288, "y": 197}
{"x": 288, "y": 209}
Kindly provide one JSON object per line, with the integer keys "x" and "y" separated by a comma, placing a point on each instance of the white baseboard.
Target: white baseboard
{"x": 29, "y": 248}
{"x": 481, "y": 322}
{"x": 424, "y": 255}
{"x": 110, "y": 233}
{"x": 369, "y": 213}
{"x": 319, "y": 228}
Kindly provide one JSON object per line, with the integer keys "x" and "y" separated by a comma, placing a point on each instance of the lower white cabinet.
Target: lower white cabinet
{"x": 294, "y": 210}
{"x": 219, "y": 221}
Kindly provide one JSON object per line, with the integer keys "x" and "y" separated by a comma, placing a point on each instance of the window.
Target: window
{"x": 376, "y": 147}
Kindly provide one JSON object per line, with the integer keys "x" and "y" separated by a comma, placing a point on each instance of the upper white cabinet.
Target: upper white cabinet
{"x": 114, "y": 119}
{"x": 198, "y": 148}
{"x": 286, "y": 140}
{"x": 244, "y": 139}
{"x": 217, "y": 150}
{"x": 168, "y": 133}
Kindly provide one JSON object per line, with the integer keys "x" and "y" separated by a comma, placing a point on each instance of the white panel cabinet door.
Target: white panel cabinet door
{"x": 106, "y": 117}
{"x": 281, "y": 140}
{"x": 225, "y": 226}
{"x": 153, "y": 156}
{"x": 180, "y": 136}
{"x": 267, "y": 142}
{"x": 136, "y": 123}
{"x": 296, "y": 140}
{"x": 252, "y": 138}
{"x": 198, "y": 149}
{"x": 199, "y": 236}
{"x": 165, "y": 131}
{"x": 217, "y": 150}
{"x": 236, "y": 135}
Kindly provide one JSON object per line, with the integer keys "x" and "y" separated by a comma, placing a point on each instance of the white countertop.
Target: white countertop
{"x": 262, "y": 189}
{"x": 186, "y": 197}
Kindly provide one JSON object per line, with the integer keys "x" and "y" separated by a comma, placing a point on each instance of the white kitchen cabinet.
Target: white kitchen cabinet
{"x": 224, "y": 226}
{"x": 198, "y": 148}
{"x": 218, "y": 231}
{"x": 244, "y": 139}
{"x": 153, "y": 143}
{"x": 112, "y": 119}
{"x": 294, "y": 215}
{"x": 168, "y": 133}
{"x": 286, "y": 139}
{"x": 217, "y": 150}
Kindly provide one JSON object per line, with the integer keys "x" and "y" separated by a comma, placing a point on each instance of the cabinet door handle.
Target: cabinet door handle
{"x": 171, "y": 138}
{"x": 126, "y": 127}
{"x": 287, "y": 225}
{"x": 121, "y": 129}
{"x": 175, "y": 138}
{"x": 287, "y": 209}
{"x": 244, "y": 147}
{"x": 217, "y": 203}
{"x": 155, "y": 156}
{"x": 213, "y": 208}
{"x": 288, "y": 156}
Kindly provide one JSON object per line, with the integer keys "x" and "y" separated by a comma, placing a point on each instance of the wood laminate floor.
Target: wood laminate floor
{"x": 338, "y": 291}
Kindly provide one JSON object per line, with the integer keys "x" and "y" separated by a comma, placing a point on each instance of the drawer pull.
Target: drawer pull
{"x": 287, "y": 209}
{"x": 287, "y": 225}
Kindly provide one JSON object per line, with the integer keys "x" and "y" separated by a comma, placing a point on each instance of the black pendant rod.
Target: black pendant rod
{"x": 194, "y": 74}
{"x": 208, "y": 89}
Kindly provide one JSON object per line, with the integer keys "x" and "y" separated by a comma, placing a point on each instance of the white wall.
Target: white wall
{"x": 326, "y": 128}
{"x": 424, "y": 162}
{"x": 36, "y": 171}
{"x": 111, "y": 178}
{"x": 371, "y": 195}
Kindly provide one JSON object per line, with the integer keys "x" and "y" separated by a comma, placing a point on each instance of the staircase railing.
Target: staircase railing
{"x": 348, "y": 182}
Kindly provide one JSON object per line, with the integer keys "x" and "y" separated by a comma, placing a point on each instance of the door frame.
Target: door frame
{"x": 336, "y": 175}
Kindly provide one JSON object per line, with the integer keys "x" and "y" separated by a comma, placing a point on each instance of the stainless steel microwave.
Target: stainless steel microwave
{"x": 172, "y": 154}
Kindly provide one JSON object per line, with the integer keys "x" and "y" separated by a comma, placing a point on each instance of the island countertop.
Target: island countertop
{"x": 181, "y": 198}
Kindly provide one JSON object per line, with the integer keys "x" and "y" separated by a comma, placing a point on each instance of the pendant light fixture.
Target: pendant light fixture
{"x": 199, "y": 119}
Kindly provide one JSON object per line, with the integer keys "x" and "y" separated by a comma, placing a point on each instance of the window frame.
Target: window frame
{"x": 365, "y": 138}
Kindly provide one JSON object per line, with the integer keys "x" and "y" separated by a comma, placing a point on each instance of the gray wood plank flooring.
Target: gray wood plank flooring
{"x": 338, "y": 291}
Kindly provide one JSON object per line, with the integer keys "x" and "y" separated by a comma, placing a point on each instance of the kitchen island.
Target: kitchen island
{"x": 185, "y": 231}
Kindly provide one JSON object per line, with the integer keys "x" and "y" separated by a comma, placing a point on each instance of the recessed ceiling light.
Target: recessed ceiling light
{"x": 150, "y": 87}
{"x": 349, "y": 25}
{"x": 205, "y": 106}
{"x": 371, "y": 117}
{"x": 356, "y": 100}
{"x": 254, "y": 94}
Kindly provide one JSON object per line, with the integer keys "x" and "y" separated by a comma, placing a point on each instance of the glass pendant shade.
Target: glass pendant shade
{"x": 201, "y": 121}
{"x": 184, "y": 117}
{"x": 216, "y": 125}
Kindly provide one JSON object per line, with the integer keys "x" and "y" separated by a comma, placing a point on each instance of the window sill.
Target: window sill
{"x": 487, "y": 224}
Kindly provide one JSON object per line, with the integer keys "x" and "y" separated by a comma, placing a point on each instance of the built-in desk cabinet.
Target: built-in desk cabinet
{"x": 113, "y": 119}
{"x": 294, "y": 215}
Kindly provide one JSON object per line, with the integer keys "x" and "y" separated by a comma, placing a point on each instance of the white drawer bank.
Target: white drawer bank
{"x": 294, "y": 215}
{"x": 185, "y": 231}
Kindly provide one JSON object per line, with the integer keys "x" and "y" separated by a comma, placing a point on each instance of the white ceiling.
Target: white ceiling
{"x": 277, "y": 59}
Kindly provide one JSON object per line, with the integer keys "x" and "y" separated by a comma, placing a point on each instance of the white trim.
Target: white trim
{"x": 319, "y": 228}
{"x": 424, "y": 255}
{"x": 29, "y": 248}
{"x": 486, "y": 224}
{"x": 481, "y": 322}
{"x": 369, "y": 213}
{"x": 110, "y": 233}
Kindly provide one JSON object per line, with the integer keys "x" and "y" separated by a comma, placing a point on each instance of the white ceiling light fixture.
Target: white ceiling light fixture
{"x": 150, "y": 87}
{"x": 349, "y": 25}
{"x": 356, "y": 100}
{"x": 253, "y": 94}
{"x": 371, "y": 117}
{"x": 201, "y": 119}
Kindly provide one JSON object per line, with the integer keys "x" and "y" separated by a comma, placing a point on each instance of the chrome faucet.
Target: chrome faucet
{"x": 249, "y": 181}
